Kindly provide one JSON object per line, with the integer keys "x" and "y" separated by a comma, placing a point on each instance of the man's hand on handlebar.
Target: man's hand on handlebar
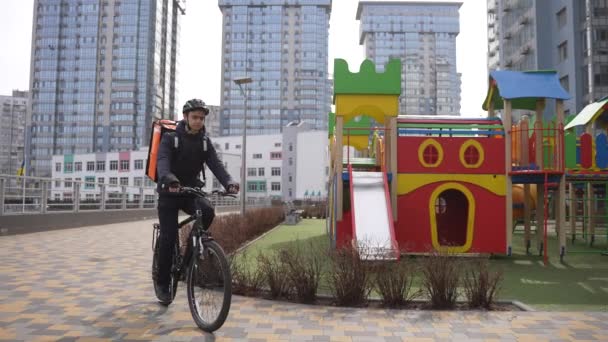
{"x": 233, "y": 188}
{"x": 174, "y": 187}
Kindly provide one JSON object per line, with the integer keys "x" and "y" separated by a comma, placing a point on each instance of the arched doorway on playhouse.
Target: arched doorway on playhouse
{"x": 452, "y": 217}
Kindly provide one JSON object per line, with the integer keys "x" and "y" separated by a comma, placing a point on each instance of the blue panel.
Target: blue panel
{"x": 601, "y": 151}
{"x": 517, "y": 84}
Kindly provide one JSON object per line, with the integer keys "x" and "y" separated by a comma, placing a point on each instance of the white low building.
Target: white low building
{"x": 288, "y": 166}
{"x": 93, "y": 173}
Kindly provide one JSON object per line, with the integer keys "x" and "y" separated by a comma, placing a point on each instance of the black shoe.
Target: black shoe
{"x": 163, "y": 294}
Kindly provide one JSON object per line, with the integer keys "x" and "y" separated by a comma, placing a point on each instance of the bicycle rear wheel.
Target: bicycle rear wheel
{"x": 209, "y": 287}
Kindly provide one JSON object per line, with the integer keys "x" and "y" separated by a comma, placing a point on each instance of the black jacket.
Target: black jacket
{"x": 185, "y": 163}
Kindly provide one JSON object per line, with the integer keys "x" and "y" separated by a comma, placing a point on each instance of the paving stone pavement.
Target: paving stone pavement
{"x": 94, "y": 284}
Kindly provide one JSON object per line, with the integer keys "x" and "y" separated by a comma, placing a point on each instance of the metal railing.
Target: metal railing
{"x": 35, "y": 195}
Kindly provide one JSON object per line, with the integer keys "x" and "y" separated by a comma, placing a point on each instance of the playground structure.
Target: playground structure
{"x": 587, "y": 173}
{"x": 421, "y": 184}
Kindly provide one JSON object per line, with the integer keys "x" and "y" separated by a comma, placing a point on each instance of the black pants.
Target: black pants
{"x": 168, "y": 208}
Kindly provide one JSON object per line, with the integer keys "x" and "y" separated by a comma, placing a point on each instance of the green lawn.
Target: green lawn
{"x": 580, "y": 283}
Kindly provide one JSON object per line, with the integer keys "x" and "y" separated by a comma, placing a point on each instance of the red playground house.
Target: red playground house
{"x": 451, "y": 185}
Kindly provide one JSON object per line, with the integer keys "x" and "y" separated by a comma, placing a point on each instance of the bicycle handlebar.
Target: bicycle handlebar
{"x": 202, "y": 193}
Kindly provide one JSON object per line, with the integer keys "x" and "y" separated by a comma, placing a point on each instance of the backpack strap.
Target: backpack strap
{"x": 204, "y": 142}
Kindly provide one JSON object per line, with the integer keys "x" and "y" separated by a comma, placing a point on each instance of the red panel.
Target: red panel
{"x": 532, "y": 149}
{"x": 586, "y": 151}
{"x": 413, "y": 230}
{"x": 408, "y": 162}
{"x": 344, "y": 232}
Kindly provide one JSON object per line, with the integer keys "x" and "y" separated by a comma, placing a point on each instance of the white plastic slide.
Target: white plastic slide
{"x": 372, "y": 218}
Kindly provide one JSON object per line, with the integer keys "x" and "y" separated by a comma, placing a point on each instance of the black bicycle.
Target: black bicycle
{"x": 204, "y": 266}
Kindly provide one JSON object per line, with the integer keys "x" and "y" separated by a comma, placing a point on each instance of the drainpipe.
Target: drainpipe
{"x": 589, "y": 34}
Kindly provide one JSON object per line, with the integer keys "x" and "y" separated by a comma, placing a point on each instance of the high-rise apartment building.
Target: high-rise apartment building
{"x": 101, "y": 71}
{"x": 283, "y": 46}
{"x": 12, "y": 126}
{"x": 570, "y": 36}
{"x": 423, "y": 35}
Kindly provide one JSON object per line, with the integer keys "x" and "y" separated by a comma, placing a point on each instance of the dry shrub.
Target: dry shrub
{"x": 303, "y": 270}
{"x": 349, "y": 277}
{"x": 246, "y": 280}
{"x": 481, "y": 286}
{"x": 231, "y": 231}
{"x": 273, "y": 271}
{"x": 393, "y": 281}
{"x": 441, "y": 275}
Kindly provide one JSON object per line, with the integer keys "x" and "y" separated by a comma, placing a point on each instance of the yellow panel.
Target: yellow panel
{"x": 359, "y": 142}
{"x": 376, "y": 106}
{"x": 407, "y": 183}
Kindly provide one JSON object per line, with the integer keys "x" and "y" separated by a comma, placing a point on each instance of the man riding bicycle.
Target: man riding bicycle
{"x": 181, "y": 158}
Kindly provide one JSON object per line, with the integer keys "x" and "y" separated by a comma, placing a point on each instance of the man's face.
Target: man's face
{"x": 196, "y": 119}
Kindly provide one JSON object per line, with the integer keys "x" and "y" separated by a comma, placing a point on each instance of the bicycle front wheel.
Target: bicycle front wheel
{"x": 209, "y": 287}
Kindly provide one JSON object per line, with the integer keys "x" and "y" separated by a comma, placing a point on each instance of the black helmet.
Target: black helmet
{"x": 195, "y": 104}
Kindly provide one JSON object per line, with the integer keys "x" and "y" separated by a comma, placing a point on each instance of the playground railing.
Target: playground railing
{"x": 537, "y": 149}
{"x": 374, "y": 134}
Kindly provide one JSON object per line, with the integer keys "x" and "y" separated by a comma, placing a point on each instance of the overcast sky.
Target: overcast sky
{"x": 200, "y": 59}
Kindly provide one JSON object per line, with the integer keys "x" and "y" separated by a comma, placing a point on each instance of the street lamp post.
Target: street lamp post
{"x": 240, "y": 82}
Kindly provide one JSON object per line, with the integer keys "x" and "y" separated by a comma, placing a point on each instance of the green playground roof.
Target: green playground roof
{"x": 367, "y": 81}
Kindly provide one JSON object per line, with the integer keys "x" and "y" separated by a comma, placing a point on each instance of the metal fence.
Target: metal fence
{"x": 34, "y": 195}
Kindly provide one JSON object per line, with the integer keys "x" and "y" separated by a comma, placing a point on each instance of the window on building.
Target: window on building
{"x": 257, "y": 156}
{"x": 290, "y": 178}
{"x": 275, "y": 155}
{"x": 290, "y": 161}
{"x": 113, "y": 180}
{"x": 251, "y": 171}
{"x": 138, "y": 181}
{"x": 68, "y": 167}
{"x": 89, "y": 182}
{"x": 68, "y": 182}
{"x": 252, "y": 186}
{"x": 58, "y": 167}
{"x": 564, "y": 82}
{"x": 261, "y": 171}
{"x": 90, "y": 166}
{"x": 58, "y": 183}
{"x": 601, "y": 75}
{"x": 101, "y": 165}
{"x": 139, "y": 164}
{"x": 290, "y": 147}
{"x": 290, "y": 193}
{"x": 275, "y": 186}
{"x": 124, "y": 180}
{"x": 124, "y": 165}
{"x": 113, "y": 165}
{"x": 562, "y": 18}
{"x": 275, "y": 171}
{"x": 562, "y": 51}
{"x": 100, "y": 180}
{"x": 78, "y": 166}
{"x": 226, "y": 146}
{"x": 277, "y": 144}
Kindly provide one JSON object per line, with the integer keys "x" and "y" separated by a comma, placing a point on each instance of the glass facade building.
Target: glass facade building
{"x": 101, "y": 71}
{"x": 283, "y": 46}
{"x": 423, "y": 35}
{"x": 12, "y": 125}
{"x": 569, "y": 36}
